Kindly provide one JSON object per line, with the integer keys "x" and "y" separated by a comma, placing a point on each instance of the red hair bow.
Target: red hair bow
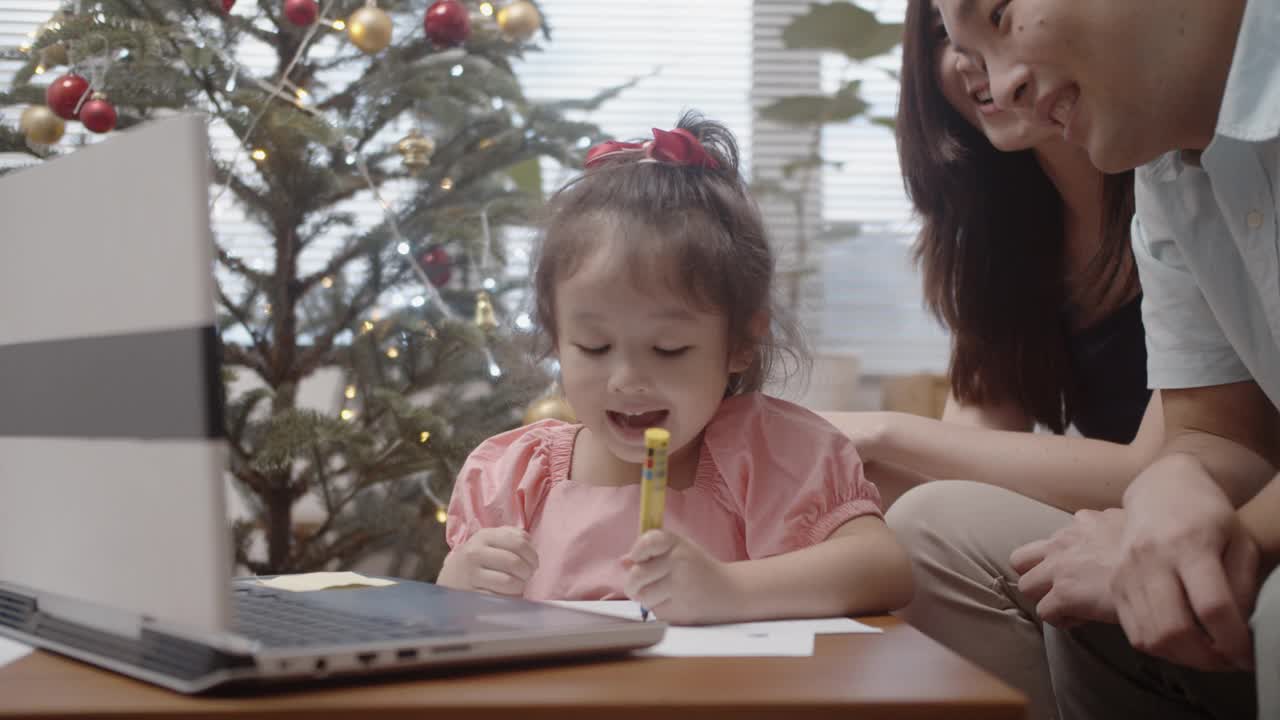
{"x": 674, "y": 147}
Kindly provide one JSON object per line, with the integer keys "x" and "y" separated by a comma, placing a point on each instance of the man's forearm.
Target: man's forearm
{"x": 1239, "y": 471}
{"x": 1261, "y": 518}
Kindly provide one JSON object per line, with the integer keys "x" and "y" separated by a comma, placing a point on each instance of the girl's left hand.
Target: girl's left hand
{"x": 678, "y": 580}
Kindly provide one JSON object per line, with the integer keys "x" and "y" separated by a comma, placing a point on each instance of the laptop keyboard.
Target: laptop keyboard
{"x": 275, "y": 620}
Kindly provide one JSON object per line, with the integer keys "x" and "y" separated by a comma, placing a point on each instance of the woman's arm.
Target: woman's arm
{"x": 1070, "y": 473}
{"x": 859, "y": 569}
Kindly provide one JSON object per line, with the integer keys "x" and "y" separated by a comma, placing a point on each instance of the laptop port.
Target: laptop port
{"x": 407, "y": 654}
{"x": 367, "y": 657}
{"x": 456, "y": 647}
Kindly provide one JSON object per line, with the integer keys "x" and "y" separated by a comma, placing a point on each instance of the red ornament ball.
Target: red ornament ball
{"x": 227, "y": 5}
{"x": 98, "y": 115}
{"x": 447, "y": 23}
{"x": 64, "y": 94}
{"x": 301, "y": 12}
{"x": 438, "y": 265}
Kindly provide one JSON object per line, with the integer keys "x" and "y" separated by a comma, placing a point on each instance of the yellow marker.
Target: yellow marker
{"x": 653, "y": 484}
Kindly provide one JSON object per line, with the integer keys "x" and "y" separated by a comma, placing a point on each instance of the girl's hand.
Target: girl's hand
{"x": 499, "y": 560}
{"x": 678, "y": 580}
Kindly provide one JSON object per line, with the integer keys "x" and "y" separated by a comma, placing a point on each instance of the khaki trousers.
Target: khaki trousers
{"x": 960, "y": 535}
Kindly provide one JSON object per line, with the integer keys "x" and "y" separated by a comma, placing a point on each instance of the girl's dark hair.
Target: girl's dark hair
{"x": 992, "y": 245}
{"x": 697, "y": 228}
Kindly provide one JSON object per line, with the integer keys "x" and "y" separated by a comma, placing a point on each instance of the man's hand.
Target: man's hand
{"x": 1068, "y": 575}
{"x": 677, "y": 580}
{"x": 498, "y": 560}
{"x": 1187, "y": 576}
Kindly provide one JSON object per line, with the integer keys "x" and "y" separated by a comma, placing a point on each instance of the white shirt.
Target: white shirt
{"x": 1206, "y": 240}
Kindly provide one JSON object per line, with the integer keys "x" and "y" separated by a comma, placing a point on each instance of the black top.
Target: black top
{"x": 1110, "y": 364}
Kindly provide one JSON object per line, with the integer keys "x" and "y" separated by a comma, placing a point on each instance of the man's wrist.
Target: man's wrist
{"x": 1159, "y": 475}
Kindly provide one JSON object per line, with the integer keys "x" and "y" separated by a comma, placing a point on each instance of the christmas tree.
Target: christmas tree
{"x": 409, "y": 104}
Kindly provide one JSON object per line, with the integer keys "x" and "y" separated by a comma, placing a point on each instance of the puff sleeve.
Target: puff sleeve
{"x": 793, "y": 476}
{"x": 502, "y": 482}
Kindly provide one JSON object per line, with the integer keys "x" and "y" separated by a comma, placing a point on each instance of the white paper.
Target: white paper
{"x": 12, "y": 650}
{"x": 310, "y": 582}
{"x": 817, "y": 626}
{"x": 780, "y": 638}
{"x": 716, "y": 641}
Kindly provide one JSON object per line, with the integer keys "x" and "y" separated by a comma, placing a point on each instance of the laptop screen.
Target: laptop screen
{"x": 111, "y": 447}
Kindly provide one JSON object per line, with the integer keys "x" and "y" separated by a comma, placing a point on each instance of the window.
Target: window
{"x": 720, "y": 57}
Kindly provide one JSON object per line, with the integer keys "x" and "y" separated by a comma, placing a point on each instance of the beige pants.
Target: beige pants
{"x": 960, "y": 535}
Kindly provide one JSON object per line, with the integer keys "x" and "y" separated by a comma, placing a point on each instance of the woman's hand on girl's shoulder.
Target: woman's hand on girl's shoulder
{"x": 678, "y": 580}
{"x": 868, "y": 430}
{"x": 499, "y": 560}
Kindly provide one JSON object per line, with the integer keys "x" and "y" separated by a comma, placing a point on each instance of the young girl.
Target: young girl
{"x": 654, "y": 285}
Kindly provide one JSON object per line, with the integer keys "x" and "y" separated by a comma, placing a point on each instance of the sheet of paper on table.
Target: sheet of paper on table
{"x": 780, "y": 638}
{"x": 12, "y": 650}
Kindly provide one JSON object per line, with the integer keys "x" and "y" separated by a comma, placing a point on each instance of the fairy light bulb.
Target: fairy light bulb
{"x": 441, "y": 516}
{"x": 393, "y": 353}
{"x": 486, "y": 9}
{"x": 347, "y": 414}
{"x": 259, "y": 154}
{"x": 350, "y": 392}
{"x": 424, "y": 436}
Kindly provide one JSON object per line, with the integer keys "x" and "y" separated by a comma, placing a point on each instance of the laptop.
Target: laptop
{"x": 114, "y": 538}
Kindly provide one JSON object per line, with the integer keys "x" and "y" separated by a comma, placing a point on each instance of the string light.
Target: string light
{"x": 350, "y": 392}
{"x": 393, "y": 353}
{"x": 40, "y": 69}
{"x": 486, "y": 9}
{"x": 424, "y": 436}
{"x": 347, "y": 414}
{"x": 441, "y": 516}
{"x": 353, "y": 157}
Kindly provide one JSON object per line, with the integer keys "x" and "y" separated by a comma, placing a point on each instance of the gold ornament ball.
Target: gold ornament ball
{"x": 519, "y": 20}
{"x": 416, "y": 150}
{"x": 551, "y": 407}
{"x": 369, "y": 29}
{"x": 41, "y": 126}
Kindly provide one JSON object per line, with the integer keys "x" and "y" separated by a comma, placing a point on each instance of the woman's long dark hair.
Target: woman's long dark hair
{"x": 992, "y": 245}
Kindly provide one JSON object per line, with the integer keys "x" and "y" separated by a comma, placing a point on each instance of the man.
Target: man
{"x": 1190, "y": 91}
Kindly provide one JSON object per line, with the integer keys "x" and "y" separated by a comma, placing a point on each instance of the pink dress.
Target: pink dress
{"x": 771, "y": 478}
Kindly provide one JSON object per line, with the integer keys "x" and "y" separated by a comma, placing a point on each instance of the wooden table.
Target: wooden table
{"x": 899, "y": 674}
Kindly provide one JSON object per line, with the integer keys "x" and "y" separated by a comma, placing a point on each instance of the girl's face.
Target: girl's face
{"x": 633, "y": 356}
{"x": 964, "y": 84}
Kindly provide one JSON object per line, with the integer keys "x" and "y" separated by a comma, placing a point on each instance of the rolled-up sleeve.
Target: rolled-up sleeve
{"x": 1186, "y": 346}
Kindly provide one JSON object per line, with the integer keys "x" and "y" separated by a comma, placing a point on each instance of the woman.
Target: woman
{"x": 1025, "y": 254}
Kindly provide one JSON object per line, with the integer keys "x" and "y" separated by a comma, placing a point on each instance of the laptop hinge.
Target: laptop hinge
{"x": 17, "y": 610}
